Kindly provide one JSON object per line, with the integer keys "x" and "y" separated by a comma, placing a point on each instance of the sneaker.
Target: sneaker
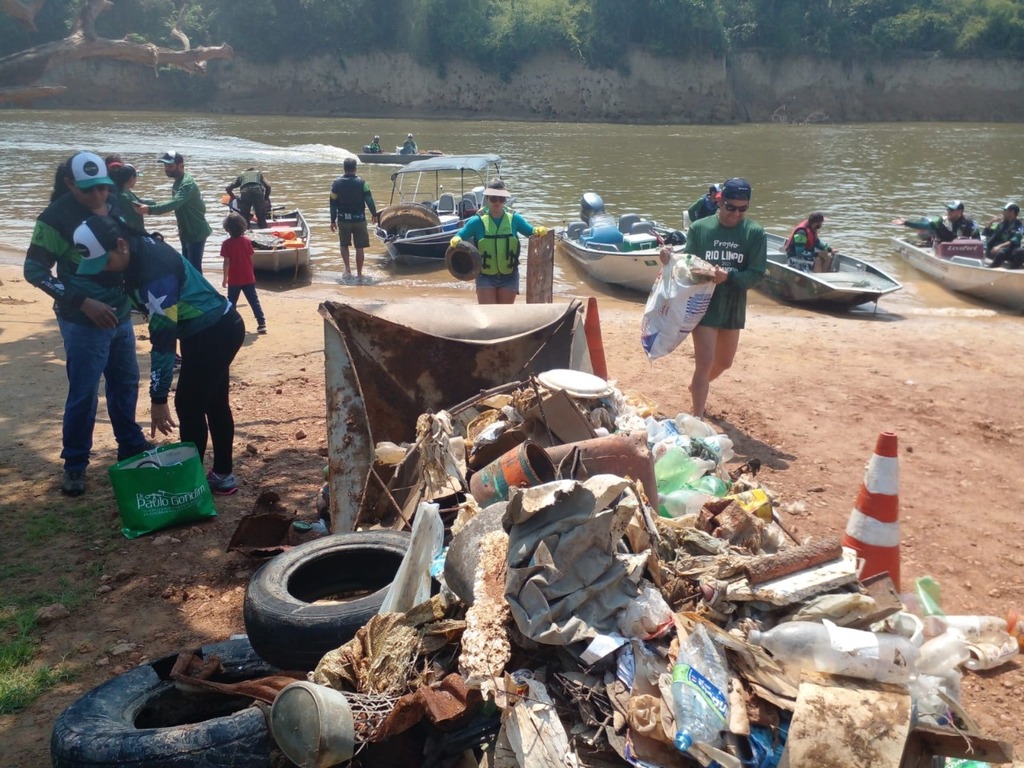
{"x": 222, "y": 485}
{"x": 261, "y": 328}
{"x": 123, "y": 454}
{"x": 73, "y": 482}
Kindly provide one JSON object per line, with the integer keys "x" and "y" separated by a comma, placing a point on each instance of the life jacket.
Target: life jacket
{"x": 812, "y": 239}
{"x": 349, "y": 191}
{"x": 499, "y": 247}
{"x": 250, "y": 177}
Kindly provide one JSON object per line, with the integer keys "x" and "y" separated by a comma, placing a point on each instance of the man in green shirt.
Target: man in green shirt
{"x": 188, "y": 206}
{"x": 738, "y": 250}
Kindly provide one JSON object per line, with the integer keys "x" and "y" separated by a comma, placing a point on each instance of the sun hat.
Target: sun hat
{"x": 954, "y": 205}
{"x": 496, "y": 188}
{"x": 89, "y": 170}
{"x": 170, "y": 157}
{"x": 94, "y": 239}
{"x": 736, "y": 189}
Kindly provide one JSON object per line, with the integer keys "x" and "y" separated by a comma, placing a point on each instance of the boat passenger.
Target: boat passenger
{"x": 253, "y": 193}
{"x": 946, "y": 228}
{"x": 706, "y": 205}
{"x": 1003, "y": 238}
{"x": 804, "y": 247}
{"x": 738, "y": 249}
{"x": 373, "y": 148}
{"x": 409, "y": 148}
{"x": 495, "y": 232}
{"x": 350, "y": 197}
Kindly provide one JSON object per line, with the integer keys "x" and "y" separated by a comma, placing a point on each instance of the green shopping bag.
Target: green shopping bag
{"x": 160, "y": 488}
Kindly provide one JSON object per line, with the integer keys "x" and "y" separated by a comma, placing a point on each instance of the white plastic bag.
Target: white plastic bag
{"x": 674, "y": 308}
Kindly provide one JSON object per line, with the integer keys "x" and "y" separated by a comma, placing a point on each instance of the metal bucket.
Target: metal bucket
{"x": 313, "y": 725}
{"x": 522, "y": 467}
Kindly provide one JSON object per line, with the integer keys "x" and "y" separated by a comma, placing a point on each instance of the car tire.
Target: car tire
{"x": 286, "y": 619}
{"x": 140, "y": 718}
{"x": 399, "y": 219}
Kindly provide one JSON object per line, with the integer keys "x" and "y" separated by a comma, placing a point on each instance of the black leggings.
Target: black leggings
{"x": 201, "y": 399}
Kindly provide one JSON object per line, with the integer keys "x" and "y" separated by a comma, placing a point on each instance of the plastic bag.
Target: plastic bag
{"x": 675, "y": 305}
{"x": 160, "y": 488}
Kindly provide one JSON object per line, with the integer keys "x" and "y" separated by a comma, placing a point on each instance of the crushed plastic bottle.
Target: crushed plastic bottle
{"x": 691, "y": 426}
{"x": 678, "y": 470}
{"x": 713, "y": 485}
{"x": 682, "y": 501}
{"x": 942, "y": 654}
{"x": 699, "y": 685}
{"x": 840, "y": 651}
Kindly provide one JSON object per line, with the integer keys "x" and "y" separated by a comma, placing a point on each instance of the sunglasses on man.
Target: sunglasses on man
{"x": 736, "y": 208}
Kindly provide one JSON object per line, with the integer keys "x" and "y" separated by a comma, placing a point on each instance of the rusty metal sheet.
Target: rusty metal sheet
{"x": 386, "y": 364}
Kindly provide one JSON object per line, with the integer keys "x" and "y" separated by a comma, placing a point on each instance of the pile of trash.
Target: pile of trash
{"x": 570, "y": 614}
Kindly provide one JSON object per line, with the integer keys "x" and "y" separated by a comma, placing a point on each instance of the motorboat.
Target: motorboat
{"x": 622, "y": 251}
{"x": 844, "y": 283}
{"x": 960, "y": 266}
{"x": 430, "y": 201}
{"x": 394, "y": 158}
{"x": 282, "y": 244}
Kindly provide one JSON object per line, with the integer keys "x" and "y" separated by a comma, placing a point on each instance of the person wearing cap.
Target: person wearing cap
{"x": 706, "y": 205}
{"x": 804, "y": 247}
{"x": 373, "y": 148}
{"x": 738, "y": 249}
{"x": 1003, "y": 238}
{"x": 350, "y": 197}
{"x": 181, "y": 306}
{"x": 253, "y": 193}
{"x": 125, "y": 176}
{"x": 93, "y": 315}
{"x": 409, "y": 148}
{"x": 495, "y": 231}
{"x": 188, "y": 206}
{"x": 945, "y": 228}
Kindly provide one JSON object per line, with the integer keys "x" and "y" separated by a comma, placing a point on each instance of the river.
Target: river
{"x": 862, "y": 176}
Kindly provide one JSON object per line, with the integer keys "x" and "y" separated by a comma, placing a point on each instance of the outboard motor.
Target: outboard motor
{"x": 592, "y": 211}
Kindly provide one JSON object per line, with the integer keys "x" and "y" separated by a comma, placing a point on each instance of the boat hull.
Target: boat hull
{"x": 1003, "y": 287}
{"x": 394, "y": 158}
{"x": 636, "y": 270}
{"x": 280, "y": 259}
{"x": 852, "y": 282}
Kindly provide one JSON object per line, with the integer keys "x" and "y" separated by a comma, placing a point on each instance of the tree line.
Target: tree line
{"x": 499, "y": 35}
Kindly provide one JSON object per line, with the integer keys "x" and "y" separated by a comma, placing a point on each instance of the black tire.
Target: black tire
{"x": 399, "y": 219}
{"x": 141, "y": 719}
{"x": 285, "y": 624}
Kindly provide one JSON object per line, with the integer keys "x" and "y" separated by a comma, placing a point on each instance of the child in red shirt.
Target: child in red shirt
{"x": 238, "y": 274}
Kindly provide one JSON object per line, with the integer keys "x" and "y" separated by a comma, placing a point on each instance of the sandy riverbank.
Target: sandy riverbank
{"x": 808, "y": 397}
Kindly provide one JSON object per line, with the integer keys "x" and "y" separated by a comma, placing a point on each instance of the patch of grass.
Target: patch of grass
{"x": 23, "y": 685}
{"x": 86, "y": 522}
{"x": 12, "y": 570}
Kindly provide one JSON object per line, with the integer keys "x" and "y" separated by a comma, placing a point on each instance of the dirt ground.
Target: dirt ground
{"x": 808, "y": 397}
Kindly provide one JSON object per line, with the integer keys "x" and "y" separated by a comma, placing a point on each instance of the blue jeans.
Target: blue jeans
{"x": 251, "y": 297}
{"x": 193, "y": 253}
{"x": 92, "y": 352}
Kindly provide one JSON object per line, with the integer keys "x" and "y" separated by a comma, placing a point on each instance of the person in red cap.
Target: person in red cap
{"x": 738, "y": 249}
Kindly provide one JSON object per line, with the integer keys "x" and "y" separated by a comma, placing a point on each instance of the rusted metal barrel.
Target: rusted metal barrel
{"x": 522, "y": 467}
{"x": 623, "y": 455}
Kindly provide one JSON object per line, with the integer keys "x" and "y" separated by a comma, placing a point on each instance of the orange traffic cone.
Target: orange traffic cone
{"x": 592, "y": 329}
{"x": 874, "y": 529}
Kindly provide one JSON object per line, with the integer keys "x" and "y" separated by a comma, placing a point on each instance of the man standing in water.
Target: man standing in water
{"x": 350, "y": 196}
{"x": 188, "y": 206}
{"x": 738, "y": 250}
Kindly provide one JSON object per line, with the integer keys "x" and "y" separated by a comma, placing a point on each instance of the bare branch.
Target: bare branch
{"x": 23, "y": 10}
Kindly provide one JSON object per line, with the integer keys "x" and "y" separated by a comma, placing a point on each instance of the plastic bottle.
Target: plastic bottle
{"x": 713, "y": 485}
{"x": 682, "y": 501}
{"x": 692, "y": 426}
{"x": 974, "y": 627}
{"x": 676, "y": 470}
{"x": 699, "y": 685}
{"x": 840, "y": 651}
{"x": 719, "y": 446}
{"x": 942, "y": 654}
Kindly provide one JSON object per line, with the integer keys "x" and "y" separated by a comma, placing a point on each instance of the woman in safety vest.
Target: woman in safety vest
{"x": 496, "y": 235}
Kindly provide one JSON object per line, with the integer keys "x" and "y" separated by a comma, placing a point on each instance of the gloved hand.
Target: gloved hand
{"x": 455, "y": 241}
{"x": 540, "y": 231}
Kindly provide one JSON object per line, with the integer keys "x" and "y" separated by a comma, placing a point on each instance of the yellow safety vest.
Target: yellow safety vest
{"x": 499, "y": 247}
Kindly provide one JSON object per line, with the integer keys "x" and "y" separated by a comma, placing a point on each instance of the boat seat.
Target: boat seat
{"x": 445, "y": 204}
{"x": 575, "y": 229}
{"x": 642, "y": 228}
{"x": 468, "y": 205}
{"x": 626, "y": 222}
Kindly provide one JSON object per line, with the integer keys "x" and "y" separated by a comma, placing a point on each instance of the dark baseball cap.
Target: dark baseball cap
{"x": 94, "y": 239}
{"x": 736, "y": 189}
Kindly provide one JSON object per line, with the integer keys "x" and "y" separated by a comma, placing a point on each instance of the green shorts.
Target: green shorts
{"x": 353, "y": 230}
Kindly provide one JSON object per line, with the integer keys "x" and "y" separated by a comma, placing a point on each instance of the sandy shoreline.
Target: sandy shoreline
{"x": 808, "y": 396}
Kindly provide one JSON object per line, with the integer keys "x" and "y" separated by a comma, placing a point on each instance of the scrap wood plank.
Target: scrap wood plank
{"x": 540, "y": 267}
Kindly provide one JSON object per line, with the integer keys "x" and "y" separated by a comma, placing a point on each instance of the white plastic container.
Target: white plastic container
{"x": 840, "y": 651}
{"x": 942, "y": 654}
